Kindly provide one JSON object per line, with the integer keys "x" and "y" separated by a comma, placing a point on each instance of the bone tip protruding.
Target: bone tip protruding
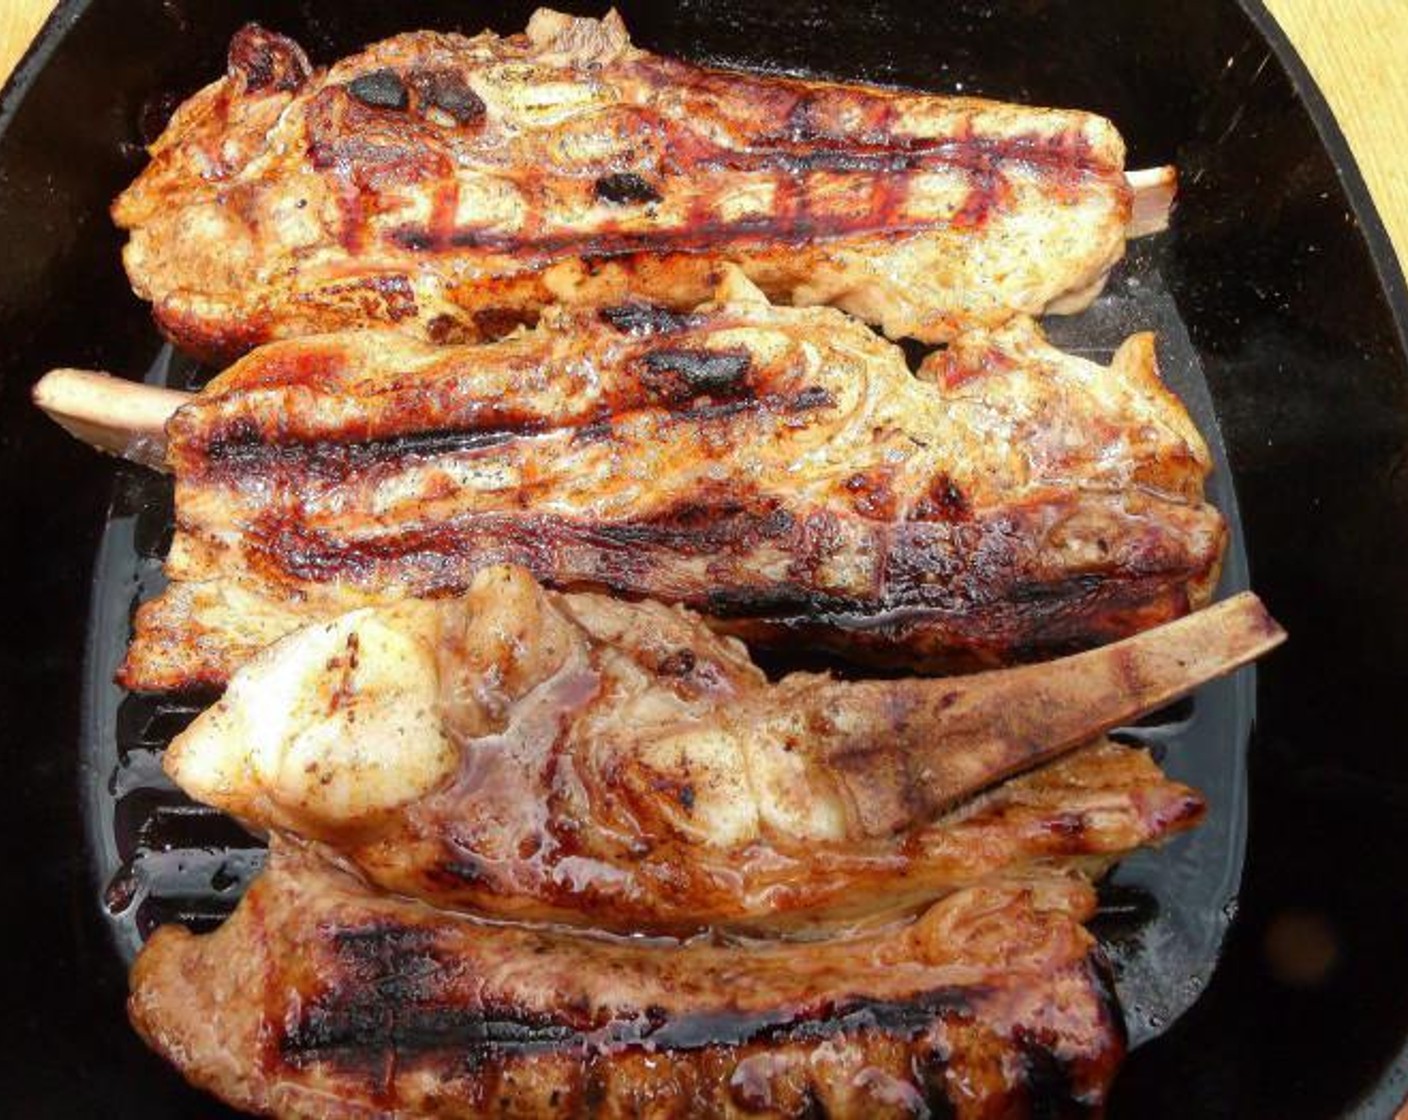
{"x": 1154, "y": 190}
{"x": 55, "y": 389}
{"x": 1248, "y": 614}
{"x": 121, "y": 417}
{"x": 1271, "y": 630}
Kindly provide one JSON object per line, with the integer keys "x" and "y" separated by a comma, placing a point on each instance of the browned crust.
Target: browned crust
{"x": 320, "y": 999}
{"x": 850, "y": 185}
{"x": 655, "y": 454}
{"x": 629, "y": 770}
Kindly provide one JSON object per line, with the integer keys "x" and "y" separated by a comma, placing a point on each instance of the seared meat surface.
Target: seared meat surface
{"x": 454, "y": 187}
{"x": 576, "y": 758}
{"x": 777, "y": 469}
{"x": 473, "y": 530}
{"x": 322, "y": 998}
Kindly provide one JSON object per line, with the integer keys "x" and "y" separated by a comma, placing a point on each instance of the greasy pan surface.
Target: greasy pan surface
{"x": 1275, "y": 280}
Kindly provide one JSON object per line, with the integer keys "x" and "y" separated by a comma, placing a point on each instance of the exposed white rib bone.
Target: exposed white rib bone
{"x": 112, "y": 414}
{"x": 1154, "y": 189}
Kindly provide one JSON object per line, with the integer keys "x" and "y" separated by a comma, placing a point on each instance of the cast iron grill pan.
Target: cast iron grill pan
{"x": 1292, "y": 299}
{"x": 159, "y": 857}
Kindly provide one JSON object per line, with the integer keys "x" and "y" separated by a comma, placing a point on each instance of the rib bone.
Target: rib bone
{"x": 592, "y": 170}
{"x": 778, "y": 469}
{"x": 1154, "y": 190}
{"x": 617, "y": 761}
{"x": 120, "y": 417}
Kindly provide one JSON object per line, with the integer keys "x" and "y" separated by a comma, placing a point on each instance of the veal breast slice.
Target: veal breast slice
{"x": 580, "y": 759}
{"x": 779, "y": 470}
{"x": 322, "y": 998}
{"x": 455, "y": 186}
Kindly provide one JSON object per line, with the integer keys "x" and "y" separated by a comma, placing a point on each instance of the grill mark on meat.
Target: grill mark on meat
{"x": 702, "y": 527}
{"x": 237, "y": 450}
{"x": 1000, "y": 598}
{"x": 990, "y": 192}
{"x": 330, "y": 461}
{"x": 391, "y": 1006}
{"x": 389, "y": 1000}
{"x": 812, "y": 165}
{"x": 792, "y": 219}
{"x": 610, "y": 244}
{"x": 1063, "y": 160}
{"x": 887, "y": 543}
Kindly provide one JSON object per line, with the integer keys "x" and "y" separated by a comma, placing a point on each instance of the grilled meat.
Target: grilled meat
{"x": 321, "y": 998}
{"x": 777, "y": 469}
{"x": 576, "y": 758}
{"x": 454, "y": 187}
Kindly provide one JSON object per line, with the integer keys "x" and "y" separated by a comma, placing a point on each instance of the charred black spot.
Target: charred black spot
{"x": 380, "y": 89}
{"x": 680, "y": 374}
{"x": 447, "y": 91}
{"x": 678, "y": 664}
{"x": 686, "y": 796}
{"x": 813, "y": 396}
{"x": 645, "y": 319}
{"x": 914, "y": 352}
{"x": 625, "y": 189}
{"x": 267, "y": 61}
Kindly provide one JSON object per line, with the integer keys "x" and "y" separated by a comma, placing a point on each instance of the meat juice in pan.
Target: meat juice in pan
{"x": 159, "y": 857}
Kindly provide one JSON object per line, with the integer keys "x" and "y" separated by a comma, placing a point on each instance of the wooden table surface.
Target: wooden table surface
{"x": 1357, "y": 50}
